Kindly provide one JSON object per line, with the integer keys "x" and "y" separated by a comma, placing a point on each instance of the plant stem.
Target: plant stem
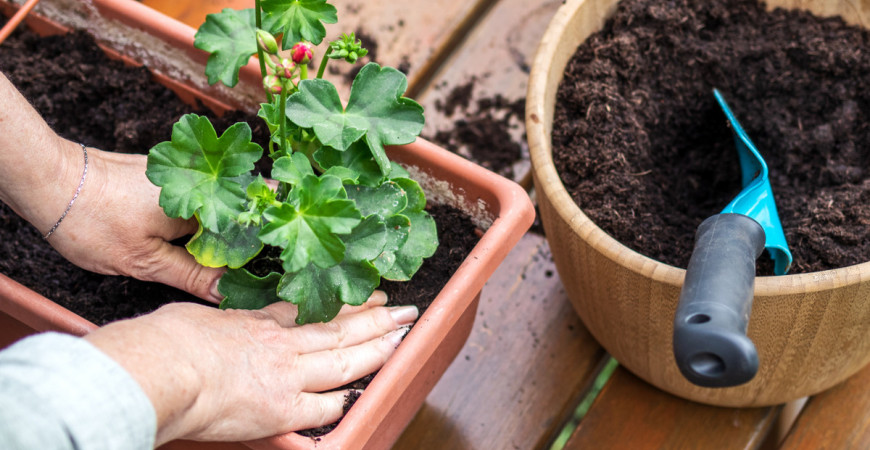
{"x": 322, "y": 68}
{"x": 303, "y": 72}
{"x": 282, "y": 122}
{"x": 260, "y": 55}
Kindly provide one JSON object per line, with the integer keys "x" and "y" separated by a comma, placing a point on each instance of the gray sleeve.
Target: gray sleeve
{"x": 60, "y": 392}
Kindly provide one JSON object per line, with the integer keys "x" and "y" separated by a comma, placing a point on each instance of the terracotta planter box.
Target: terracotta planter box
{"x": 813, "y": 325}
{"x": 498, "y": 206}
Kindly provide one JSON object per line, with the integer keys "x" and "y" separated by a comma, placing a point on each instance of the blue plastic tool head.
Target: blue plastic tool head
{"x": 756, "y": 198}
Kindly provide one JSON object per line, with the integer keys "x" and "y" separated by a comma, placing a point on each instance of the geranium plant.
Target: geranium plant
{"x": 341, "y": 213}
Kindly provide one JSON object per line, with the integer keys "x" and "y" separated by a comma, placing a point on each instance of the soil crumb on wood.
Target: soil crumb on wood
{"x": 644, "y": 149}
{"x": 482, "y": 132}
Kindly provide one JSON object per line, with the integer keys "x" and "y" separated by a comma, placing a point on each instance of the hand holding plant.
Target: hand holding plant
{"x": 343, "y": 215}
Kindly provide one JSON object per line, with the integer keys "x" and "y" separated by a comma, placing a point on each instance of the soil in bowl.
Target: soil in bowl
{"x": 88, "y": 98}
{"x": 644, "y": 150}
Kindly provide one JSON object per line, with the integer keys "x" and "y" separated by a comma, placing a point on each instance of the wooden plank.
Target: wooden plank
{"x": 836, "y": 418}
{"x": 523, "y": 369}
{"x": 629, "y": 413}
{"x": 496, "y": 55}
{"x": 413, "y": 35}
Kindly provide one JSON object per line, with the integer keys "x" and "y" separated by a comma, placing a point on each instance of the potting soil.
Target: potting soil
{"x": 643, "y": 148}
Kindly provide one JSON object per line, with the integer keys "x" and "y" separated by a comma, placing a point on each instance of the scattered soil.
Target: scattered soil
{"x": 643, "y": 148}
{"x": 88, "y": 98}
{"x": 484, "y": 131}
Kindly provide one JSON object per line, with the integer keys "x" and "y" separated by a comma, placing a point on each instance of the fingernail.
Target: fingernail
{"x": 404, "y": 315}
{"x": 378, "y": 298}
{"x": 215, "y": 294}
{"x": 396, "y": 337}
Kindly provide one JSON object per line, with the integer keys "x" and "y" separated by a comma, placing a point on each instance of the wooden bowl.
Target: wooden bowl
{"x": 811, "y": 330}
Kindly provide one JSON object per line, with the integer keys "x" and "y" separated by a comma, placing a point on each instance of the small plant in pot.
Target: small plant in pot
{"x": 341, "y": 214}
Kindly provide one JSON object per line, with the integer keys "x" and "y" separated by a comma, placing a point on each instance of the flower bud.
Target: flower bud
{"x": 272, "y": 84}
{"x": 302, "y": 53}
{"x": 267, "y": 42}
{"x": 285, "y": 68}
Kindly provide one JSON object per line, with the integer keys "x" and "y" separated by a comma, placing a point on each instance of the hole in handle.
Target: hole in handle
{"x": 698, "y": 318}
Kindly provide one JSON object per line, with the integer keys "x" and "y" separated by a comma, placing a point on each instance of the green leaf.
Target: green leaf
{"x": 346, "y": 175}
{"x": 308, "y": 225}
{"x": 397, "y": 171}
{"x": 421, "y": 243}
{"x": 233, "y": 247}
{"x": 201, "y": 173}
{"x": 357, "y": 158}
{"x": 320, "y": 292}
{"x": 300, "y": 20}
{"x": 398, "y": 227}
{"x": 385, "y": 200}
{"x": 413, "y": 192}
{"x": 231, "y": 39}
{"x": 271, "y": 115}
{"x": 292, "y": 169}
{"x": 375, "y": 109}
{"x": 244, "y": 290}
{"x": 260, "y": 197}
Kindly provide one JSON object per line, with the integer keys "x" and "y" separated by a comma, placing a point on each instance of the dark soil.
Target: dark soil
{"x": 88, "y": 98}
{"x": 483, "y": 130}
{"x": 643, "y": 148}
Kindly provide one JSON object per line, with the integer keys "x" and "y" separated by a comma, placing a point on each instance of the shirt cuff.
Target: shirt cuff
{"x": 99, "y": 404}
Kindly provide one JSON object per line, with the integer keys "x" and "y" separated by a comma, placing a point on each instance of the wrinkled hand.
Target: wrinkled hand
{"x": 239, "y": 375}
{"x": 116, "y": 226}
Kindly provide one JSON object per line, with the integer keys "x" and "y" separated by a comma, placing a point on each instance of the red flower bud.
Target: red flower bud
{"x": 285, "y": 68}
{"x": 272, "y": 84}
{"x": 302, "y": 53}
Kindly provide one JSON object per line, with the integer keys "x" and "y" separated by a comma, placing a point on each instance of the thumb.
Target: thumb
{"x": 178, "y": 268}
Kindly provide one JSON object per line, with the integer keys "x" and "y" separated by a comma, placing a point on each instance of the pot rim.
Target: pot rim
{"x": 540, "y": 103}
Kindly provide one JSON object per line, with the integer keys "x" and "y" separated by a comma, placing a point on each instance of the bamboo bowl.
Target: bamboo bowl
{"x": 811, "y": 330}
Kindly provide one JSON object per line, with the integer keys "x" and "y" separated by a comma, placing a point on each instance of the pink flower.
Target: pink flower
{"x": 302, "y": 53}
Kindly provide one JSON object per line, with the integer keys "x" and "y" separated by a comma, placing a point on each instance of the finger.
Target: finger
{"x": 285, "y": 312}
{"x": 178, "y": 268}
{"x": 352, "y": 329}
{"x": 334, "y": 368}
{"x": 316, "y": 410}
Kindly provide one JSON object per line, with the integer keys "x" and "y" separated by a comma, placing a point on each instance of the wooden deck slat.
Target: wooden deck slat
{"x": 522, "y": 370}
{"x": 497, "y": 54}
{"x": 631, "y": 414}
{"x": 835, "y": 419}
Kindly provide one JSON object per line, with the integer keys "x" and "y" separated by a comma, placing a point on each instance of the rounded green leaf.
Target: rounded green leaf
{"x": 300, "y": 20}
{"x": 243, "y": 290}
{"x": 231, "y": 39}
{"x": 375, "y": 109}
{"x": 233, "y": 247}
{"x": 421, "y": 243}
{"x": 203, "y": 174}
{"x": 308, "y": 232}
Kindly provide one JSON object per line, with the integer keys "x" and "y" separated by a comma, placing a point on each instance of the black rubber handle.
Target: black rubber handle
{"x": 710, "y": 343}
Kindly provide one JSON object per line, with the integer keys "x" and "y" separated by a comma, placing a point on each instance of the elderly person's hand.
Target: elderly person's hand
{"x": 238, "y": 375}
{"x": 115, "y": 226}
